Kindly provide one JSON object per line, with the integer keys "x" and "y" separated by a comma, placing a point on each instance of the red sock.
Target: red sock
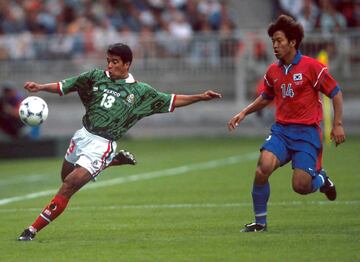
{"x": 50, "y": 212}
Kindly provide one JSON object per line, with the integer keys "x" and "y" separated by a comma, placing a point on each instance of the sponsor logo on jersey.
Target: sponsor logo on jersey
{"x": 297, "y": 77}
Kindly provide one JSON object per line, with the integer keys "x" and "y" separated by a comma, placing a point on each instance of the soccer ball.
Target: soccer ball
{"x": 33, "y": 111}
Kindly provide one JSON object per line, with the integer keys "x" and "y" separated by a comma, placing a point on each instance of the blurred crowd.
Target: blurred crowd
{"x": 326, "y": 16}
{"x": 82, "y": 27}
{"x": 51, "y": 29}
{"x": 180, "y": 17}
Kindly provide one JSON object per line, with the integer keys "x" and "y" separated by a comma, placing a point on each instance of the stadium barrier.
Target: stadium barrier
{"x": 232, "y": 63}
{"x": 47, "y": 147}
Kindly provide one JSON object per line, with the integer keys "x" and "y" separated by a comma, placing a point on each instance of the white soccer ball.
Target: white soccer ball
{"x": 33, "y": 111}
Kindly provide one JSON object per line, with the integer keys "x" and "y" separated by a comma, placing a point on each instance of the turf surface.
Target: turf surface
{"x": 185, "y": 201}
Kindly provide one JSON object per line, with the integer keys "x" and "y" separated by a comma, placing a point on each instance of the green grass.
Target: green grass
{"x": 188, "y": 214}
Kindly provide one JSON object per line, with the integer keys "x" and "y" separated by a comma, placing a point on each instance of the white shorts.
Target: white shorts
{"x": 90, "y": 151}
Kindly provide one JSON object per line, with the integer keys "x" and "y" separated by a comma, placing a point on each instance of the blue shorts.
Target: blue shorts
{"x": 299, "y": 144}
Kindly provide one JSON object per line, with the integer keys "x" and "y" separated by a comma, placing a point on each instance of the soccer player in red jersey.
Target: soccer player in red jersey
{"x": 293, "y": 83}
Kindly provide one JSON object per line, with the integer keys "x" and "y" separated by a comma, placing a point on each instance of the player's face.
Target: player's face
{"x": 116, "y": 67}
{"x": 283, "y": 49}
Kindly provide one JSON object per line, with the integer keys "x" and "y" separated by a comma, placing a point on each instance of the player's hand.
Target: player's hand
{"x": 235, "y": 121}
{"x": 337, "y": 134}
{"x": 208, "y": 95}
{"x": 32, "y": 86}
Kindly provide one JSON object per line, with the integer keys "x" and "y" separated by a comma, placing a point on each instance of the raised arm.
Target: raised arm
{"x": 35, "y": 87}
{"x": 337, "y": 133}
{"x": 258, "y": 104}
{"x": 184, "y": 100}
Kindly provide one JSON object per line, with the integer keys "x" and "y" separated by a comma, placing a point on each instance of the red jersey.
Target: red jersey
{"x": 296, "y": 90}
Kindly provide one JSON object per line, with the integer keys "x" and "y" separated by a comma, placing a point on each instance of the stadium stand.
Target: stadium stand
{"x": 179, "y": 46}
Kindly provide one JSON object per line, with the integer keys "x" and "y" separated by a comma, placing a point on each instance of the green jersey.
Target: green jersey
{"x": 114, "y": 106}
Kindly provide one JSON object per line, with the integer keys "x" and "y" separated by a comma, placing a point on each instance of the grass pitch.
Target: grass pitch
{"x": 186, "y": 200}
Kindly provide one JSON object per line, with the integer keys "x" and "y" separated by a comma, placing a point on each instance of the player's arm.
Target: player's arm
{"x": 184, "y": 100}
{"x": 328, "y": 86}
{"x": 35, "y": 87}
{"x": 259, "y": 103}
{"x": 337, "y": 132}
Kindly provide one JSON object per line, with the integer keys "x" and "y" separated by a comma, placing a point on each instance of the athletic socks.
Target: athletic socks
{"x": 50, "y": 212}
{"x": 260, "y": 195}
{"x": 318, "y": 181}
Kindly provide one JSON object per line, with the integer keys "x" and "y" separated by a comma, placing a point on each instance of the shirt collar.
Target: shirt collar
{"x": 296, "y": 59}
{"x": 130, "y": 79}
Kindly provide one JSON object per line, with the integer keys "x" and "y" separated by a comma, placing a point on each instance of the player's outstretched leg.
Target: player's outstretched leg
{"x": 328, "y": 188}
{"x": 72, "y": 183}
{"x": 50, "y": 212}
{"x": 123, "y": 158}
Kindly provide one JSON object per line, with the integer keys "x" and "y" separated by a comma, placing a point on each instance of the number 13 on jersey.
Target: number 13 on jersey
{"x": 107, "y": 100}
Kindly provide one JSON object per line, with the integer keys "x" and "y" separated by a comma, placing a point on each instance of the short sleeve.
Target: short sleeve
{"x": 161, "y": 102}
{"x": 268, "y": 90}
{"x": 74, "y": 83}
{"x": 323, "y": 81}
{"x": 154, "y": 101}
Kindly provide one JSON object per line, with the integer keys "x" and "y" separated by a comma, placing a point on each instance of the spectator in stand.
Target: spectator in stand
{"x": 181, "y": 31}
{"x": 330, "y": 19}
{"x": 212, "y": 9}
{"x": 10, "y": 100}
{"x": 11, "y": 18}
{"x": 204, "y": 47}
{"x": 357, "y": 14}
{"x": 230, "y": 44}
{"x": 308, "y": 15}
{"x": 78, "y": 24}
{"x": 289, "y": 7}
{"x": 348, "y": 8}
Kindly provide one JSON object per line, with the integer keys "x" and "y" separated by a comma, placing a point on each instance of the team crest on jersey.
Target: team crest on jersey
{"x": 130, "y": 99}
{"x": 297, "y": 77}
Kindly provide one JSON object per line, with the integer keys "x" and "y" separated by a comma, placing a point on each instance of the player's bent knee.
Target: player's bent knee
{"x": 301, "y": 182}
{"x": 301, "y": 188}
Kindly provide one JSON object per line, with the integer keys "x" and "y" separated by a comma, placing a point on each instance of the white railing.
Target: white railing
{"x": 241, "y": 56}
{"x": 231, "y": 64}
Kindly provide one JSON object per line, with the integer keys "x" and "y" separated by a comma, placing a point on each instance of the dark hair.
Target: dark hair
{"x": 121, "y": 50}
{"x": 293, "y": 30}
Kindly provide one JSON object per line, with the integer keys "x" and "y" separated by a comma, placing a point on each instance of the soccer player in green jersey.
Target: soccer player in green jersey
{"x": 114, "y": 102}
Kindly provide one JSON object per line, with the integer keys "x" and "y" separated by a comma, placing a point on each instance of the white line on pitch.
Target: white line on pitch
{"x": 191, "y": 206}
{"x": 144, "y": 176}
{"x": 28, "y": 179}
